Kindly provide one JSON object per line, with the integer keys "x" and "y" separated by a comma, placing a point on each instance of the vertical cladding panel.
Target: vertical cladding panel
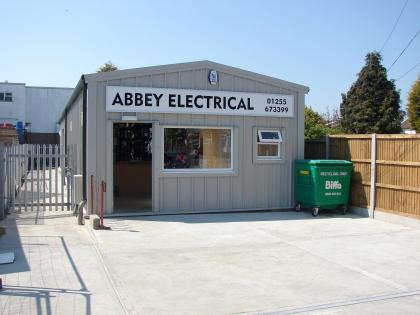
{"x": 238, "y": 194}
{"x": 212, "y": 197}
{"x": 74, "y": 133}
{"x": 169, "y": 194}
{"x": 248, "y": 180}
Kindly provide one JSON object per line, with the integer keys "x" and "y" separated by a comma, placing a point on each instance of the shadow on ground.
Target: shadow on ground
{"x": 227, "y": 217}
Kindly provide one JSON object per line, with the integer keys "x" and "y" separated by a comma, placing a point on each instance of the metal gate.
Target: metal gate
{"x": 38, "y": 177}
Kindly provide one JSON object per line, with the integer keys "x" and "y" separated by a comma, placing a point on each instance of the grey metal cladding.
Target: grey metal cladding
{"x": 254, "y": 186}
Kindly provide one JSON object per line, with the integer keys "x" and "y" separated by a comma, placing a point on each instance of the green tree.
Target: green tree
{"x": 372, "y": 105}
{"x": 414, "y": 106}
{"x": 107, "y": 67}
{"x": 315, "y": 125}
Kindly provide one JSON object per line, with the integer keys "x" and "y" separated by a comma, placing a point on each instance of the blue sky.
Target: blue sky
{"x": 321, "y": 44}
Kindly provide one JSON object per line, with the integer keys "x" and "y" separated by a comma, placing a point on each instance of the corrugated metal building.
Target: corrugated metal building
{"x": 190, "y": 137}
{"x": 36, "y": 108}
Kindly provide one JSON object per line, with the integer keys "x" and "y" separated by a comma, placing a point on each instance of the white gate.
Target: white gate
{"x": 38, "y": 177}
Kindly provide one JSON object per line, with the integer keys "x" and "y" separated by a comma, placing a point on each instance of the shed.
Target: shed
{"x": 184, "y": 138}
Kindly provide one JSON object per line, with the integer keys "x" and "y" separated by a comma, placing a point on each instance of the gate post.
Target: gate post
{"x": 2, "y": 182}
{"x": 372, "y": 177}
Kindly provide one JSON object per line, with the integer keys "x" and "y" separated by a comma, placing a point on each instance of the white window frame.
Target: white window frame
{"x": 198, "y": 171}
{"x": 279, "y": 158}
{"x": 262, "y": 140}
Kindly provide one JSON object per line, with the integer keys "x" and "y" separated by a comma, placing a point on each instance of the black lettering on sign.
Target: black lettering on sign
{"x": 117, "y": 100}
{"x": 157, "y": 98}
{"x": 249, "y": 104}
{"x": 188, "y": 101}
{"x": 180, "y": 101}
{"x": 217, "y": 101}
{"x": 196, "y": 101}
{"x": 241, "y": 104}
{"x": 148, "y": 99}
{"x": 138, "y": 99}
{"x": 207, "y": 98}
{"x": 233, "y": 98}
{"x": 128, "y": 99}
{"x": 172, "y": 100}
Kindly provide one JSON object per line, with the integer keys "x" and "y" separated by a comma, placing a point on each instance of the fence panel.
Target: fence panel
{"x": 398, "y": 174}
{"x": 397, "y": 181}
{"x": 315, "y": 149}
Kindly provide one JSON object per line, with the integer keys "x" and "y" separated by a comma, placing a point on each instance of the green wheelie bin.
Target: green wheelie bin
{"x": 322, "y": 184}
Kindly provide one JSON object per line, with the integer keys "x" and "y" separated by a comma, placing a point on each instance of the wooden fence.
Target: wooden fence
{"x": 391, "y": 162}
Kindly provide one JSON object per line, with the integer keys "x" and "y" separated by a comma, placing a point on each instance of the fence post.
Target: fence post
{"x": 372, "y": 177}
{"x": 2, "y": 182}
{"x": 327, "y": 147}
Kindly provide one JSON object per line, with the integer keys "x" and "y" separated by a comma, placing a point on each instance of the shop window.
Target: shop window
{"x": 269, "y": 144}
{"x": 197, "y": 148}
{"x": 6, "y": 97}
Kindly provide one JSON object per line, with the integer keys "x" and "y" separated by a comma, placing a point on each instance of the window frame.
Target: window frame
{"x": 6, "y": 95}
{"x": 268, "y": 141}
{"x": 199, "y": 171}
{"x": 280, "y": 143}
{"x": 2, "y": 96}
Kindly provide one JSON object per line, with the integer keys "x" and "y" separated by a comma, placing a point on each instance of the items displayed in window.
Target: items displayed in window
{"x": 197, "y": 148}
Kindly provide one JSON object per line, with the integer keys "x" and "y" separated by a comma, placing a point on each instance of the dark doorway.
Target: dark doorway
{"x": 132, "y": 167}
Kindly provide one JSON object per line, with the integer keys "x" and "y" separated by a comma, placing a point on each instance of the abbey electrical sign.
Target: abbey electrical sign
{"x": 183, "y": 101}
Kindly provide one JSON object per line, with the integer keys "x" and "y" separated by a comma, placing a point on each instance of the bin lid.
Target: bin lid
{"x": 324, "y": 162}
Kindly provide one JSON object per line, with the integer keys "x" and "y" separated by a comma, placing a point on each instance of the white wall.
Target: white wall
{"x": 12, "y": 112}
{"x": 44, "y": 107}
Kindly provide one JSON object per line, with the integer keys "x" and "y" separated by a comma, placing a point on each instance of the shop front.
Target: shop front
{"x": 184, "y": 138}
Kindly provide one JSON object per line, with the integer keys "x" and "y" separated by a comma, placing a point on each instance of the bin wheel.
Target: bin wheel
{"x": 344, "y": 209}
{"x": 298, "y": 207}
{"x": 315, "y": 211}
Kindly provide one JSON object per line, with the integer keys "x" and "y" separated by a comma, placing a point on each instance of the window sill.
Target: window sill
{"x": 196, "y": 173}
{"x": 268, "y": 161}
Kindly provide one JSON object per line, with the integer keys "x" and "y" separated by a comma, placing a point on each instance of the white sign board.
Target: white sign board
{"x": 183, "y": 101}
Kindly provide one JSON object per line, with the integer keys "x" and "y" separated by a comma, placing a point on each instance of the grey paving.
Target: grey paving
{"x": 240, "y": 263}
{"x": 56, "y": 270}
{"x": 268, "y": 263}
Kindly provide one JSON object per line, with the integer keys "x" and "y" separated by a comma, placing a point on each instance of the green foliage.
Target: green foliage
{"x": 315, "y": 125}
{"x": 372, "y": 105}
{"x": 107, "y": 67}
{"x": 414, "y": 106}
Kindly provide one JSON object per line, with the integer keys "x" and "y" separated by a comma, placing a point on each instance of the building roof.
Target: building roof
{"x": 101, "y": 76}
{"x": 186, "y": 66}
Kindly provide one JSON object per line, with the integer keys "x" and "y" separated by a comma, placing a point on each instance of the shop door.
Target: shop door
{"x": 133, "y": 167}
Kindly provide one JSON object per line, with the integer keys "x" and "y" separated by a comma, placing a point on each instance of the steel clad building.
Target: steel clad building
{"x": 189, "y": 137}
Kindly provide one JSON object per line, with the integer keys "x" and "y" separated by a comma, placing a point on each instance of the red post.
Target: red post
{"x": 92, "y": 209}
{"x": 101, "y": 213}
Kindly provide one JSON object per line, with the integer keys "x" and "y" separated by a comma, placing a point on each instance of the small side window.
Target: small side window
{"x": 269, "y": 144}
{"x": 8, "y": 97}
{"x": 1, "y": 97}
